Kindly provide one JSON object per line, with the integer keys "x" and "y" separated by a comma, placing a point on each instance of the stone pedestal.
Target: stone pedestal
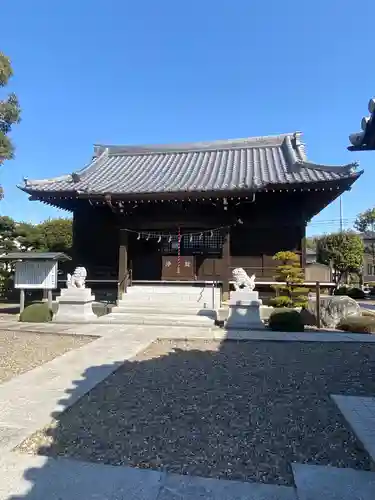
{"x": 75, "y": 306}
{"x": 244, "y": 312}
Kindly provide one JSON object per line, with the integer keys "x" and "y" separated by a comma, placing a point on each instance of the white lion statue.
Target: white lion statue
{"x": 242, "y": 281}
{"x": 78, "y": 279}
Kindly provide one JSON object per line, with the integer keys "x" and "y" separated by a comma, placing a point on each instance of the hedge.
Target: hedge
{"x": 286, "y": 320}
{"x": 36, "y": 313}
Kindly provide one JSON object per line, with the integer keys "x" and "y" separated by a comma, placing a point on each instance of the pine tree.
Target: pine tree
{"x": 290, "y": 273}
{"x": 9, "y": 111}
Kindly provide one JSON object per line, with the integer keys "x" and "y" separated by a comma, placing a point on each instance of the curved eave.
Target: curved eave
{"x": 340, "y": 185}
{"x": 348, "y": 169}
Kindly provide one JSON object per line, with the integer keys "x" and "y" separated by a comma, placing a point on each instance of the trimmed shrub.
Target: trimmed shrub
{"x": 286, "y": 320}
{"x": 357, "y": 324}
{"x": 354, "y": 293}
{"x": 281, "y": 301}
{"x": 36, "y": 313}
{"x": 341, "y": 290}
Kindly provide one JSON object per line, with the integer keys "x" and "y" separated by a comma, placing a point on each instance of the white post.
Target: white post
{"x": 22, "y": 300}
{"x": 49, "y": 299}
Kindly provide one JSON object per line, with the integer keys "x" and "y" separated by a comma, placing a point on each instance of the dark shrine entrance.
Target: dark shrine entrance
{"x": 152, "y": 259}
{"x": 145, "y": 259}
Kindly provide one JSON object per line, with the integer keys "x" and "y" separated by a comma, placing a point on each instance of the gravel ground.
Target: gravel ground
{"x": 21, "y": 351}
{"x": 237, "y": 410}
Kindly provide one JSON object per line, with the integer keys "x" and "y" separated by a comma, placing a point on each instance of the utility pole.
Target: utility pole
{"x": 341, "y": 218}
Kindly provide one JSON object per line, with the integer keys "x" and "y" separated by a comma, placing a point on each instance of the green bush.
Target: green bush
{"x": 36, "y": 313}
{"x": 286, "y": 320}
{"x": 356, "y": 293}
{"x": 341, "y": 290}
{"x": 281, "y": 301}
{"x": 353, "y": 292}
{"x": 357, "y": 324}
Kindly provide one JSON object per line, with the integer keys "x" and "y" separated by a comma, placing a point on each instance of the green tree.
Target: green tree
{"x": 365, "y": 223}
{"x": 56, "y": 235}
{"x": 344, "y": 251}
{"x": 311, "y": 243}
{"x": 290, "y": 273}
{"x": 29, "y": 236}
{"x": 7, "y": 234}
{"x": 9, "y": 111}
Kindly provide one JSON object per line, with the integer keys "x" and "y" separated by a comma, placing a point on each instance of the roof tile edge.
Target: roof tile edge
{"x": 246, "y": 142}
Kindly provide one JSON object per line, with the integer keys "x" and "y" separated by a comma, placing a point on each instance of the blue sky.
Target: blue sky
{"x": 147, "y": 71}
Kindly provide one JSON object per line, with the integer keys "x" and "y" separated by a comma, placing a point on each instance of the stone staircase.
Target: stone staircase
{"x": 167, "y": 305}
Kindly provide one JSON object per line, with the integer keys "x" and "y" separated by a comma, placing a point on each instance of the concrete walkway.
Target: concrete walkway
{"x": 29, "y": 402}
{"x": 185, "y": 332}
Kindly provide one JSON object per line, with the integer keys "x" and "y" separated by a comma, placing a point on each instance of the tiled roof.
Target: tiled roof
{"x": 230, "y": 165}
{"x": 34, "y": 256}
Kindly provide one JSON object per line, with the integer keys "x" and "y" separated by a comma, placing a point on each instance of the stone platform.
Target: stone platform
{"x": 75, "y": 306}
{"x": 244, "y": 311}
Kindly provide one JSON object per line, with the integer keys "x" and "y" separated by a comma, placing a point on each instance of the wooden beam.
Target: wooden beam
{"x": 303, "y": 248}
{"x": 123, "y": 264}
{"x": 226, "y": 271}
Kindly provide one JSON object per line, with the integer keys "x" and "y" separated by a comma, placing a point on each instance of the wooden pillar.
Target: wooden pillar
{"x": 303, "y": 248}
{"x": 317, "y": 298}
{"x": 122, "y": 263}
{"x": 226, "y": 271}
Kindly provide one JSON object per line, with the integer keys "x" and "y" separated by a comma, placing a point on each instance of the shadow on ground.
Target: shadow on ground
{"x": 233, "y": 410}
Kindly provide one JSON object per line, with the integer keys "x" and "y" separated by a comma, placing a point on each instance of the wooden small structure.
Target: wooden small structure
{"x": 193, "y": 212}
{"x": 35, "y": 271}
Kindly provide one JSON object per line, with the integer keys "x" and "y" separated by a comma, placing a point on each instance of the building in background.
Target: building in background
{"x": 369, "y": 257}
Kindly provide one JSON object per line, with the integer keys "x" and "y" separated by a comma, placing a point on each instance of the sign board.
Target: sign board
{"x": 172, "y": 271}
{"x": 39, "y": 274}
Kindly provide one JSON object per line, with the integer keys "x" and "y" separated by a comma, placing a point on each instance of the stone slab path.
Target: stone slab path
{"x": 184, "y": 332}
{"x": 40, "y": 478}
{"x": 315, "y": 482}
{"x": 360, "y": 414}
{"x": 29, "y": 402}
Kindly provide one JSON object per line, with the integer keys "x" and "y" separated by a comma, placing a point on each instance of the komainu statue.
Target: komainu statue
{"x": 242, "y": 281}
{"x": 77, "y": 279}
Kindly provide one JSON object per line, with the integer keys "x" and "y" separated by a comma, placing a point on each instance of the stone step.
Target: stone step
{"x": 155, "y": 309}
{"x": 173, "y": 293}
{"x": 169, "y": 298}
{"x": 167, "y": 302}
{"x": 156, "y": 319}
{"x": 169, "y": 289}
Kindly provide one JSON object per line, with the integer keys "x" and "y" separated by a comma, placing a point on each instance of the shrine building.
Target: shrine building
{"x": 192, "y": 212}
